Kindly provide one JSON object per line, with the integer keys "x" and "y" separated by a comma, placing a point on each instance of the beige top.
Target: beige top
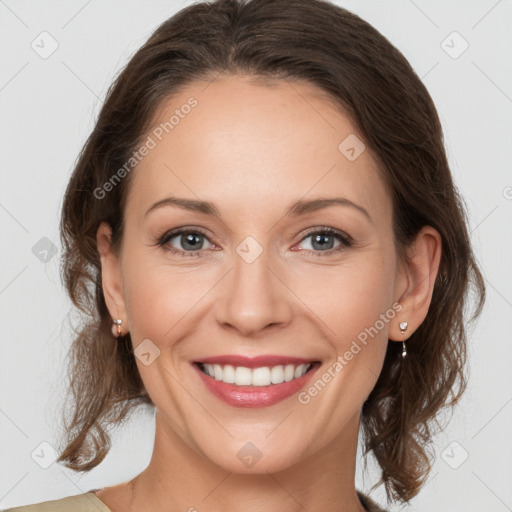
{"x": 89, "y": 502}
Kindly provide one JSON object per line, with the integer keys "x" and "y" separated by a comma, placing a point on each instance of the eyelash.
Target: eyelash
{"x": 346, "y": 241}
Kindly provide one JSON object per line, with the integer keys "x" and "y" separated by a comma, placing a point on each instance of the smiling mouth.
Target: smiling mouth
{"x": 259, "y": 376}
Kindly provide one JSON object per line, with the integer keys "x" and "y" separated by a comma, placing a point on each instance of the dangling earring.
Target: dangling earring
{"x": 403, "y": 328}
{"x": 116, "y": 328}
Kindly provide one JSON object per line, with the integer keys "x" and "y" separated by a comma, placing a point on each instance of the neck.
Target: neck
{"x": 181, "y": 478}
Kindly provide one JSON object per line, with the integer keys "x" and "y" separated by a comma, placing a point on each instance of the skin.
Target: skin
{"x": 252, "y": 150}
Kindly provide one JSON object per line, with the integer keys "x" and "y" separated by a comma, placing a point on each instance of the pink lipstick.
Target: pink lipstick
{"x": 254, "y": 381}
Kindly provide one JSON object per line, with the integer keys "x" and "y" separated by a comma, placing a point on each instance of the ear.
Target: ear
{"x": 416, "y": 277}
{"x": 111, "y": 276}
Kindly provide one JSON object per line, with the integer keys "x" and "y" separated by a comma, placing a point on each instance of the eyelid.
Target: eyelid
{"x": 171, "y": 233}
{"x": 327, "y": 229}
{"x": 345, "y": 239}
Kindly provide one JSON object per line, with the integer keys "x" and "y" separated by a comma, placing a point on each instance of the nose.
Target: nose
{"x": 253, "y": 298}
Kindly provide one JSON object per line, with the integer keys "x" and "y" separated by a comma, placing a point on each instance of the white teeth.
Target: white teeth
{"x": 277, "y": 374}
{"x": 243, "y": 376}
{"x": 289, "y": 372}
{"x": 228, "y": 374}
{"x": 262, "y": 376}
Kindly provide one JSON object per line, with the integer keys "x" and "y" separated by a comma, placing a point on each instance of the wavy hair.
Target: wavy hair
{"x": 319, "y": 43}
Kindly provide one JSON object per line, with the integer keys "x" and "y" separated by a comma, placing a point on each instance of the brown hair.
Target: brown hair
{"x": 316, "y": 42}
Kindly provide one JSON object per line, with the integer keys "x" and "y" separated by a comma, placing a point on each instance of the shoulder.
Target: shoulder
{"x": 369, "y": 504}
{"x": 87, "y": 502}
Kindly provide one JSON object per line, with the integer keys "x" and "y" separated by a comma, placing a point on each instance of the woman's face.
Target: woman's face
{"x": 261, "y": 276}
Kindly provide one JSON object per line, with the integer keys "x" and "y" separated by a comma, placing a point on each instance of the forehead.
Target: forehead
{"x": 239, "y": 143}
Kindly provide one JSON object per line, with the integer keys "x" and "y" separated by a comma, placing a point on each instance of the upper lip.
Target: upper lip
{"x": 255, "y": 362}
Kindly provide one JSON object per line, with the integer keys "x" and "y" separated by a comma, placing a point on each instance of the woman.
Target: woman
{"x": 264, "y": 233}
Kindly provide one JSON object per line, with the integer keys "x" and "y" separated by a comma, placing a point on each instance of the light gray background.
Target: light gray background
{"x": 48, "y": 108}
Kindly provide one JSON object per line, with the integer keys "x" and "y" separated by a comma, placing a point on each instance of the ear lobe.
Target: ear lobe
{"x": 421, "y": 269}
{"x": 111, "y": 277}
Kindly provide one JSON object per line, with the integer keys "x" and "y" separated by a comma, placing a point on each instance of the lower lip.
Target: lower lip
{"x": 255, "y": 396}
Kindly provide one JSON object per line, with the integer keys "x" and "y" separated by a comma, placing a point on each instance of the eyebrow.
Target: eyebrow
{"x": 298, "y": 208}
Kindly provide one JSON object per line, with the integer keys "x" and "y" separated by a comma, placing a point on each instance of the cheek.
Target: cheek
{"x": 350, "y": 296}
{"x": 159, "y": 297}
{"x": 352, "y": 301}
{"x": 344, "y": 301}
{"x": 353, "y": 306}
